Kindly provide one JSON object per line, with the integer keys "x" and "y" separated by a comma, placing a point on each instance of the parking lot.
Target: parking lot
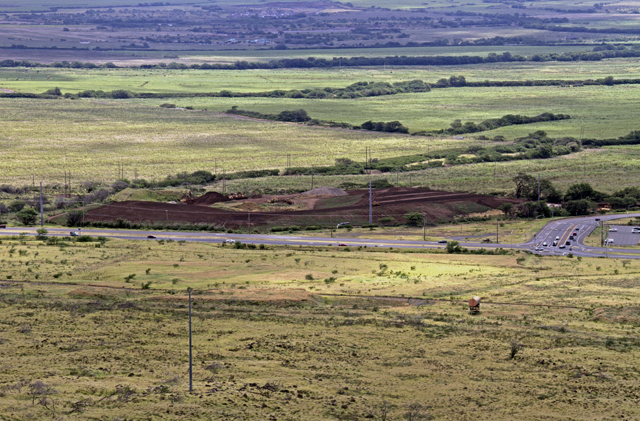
{"x": 624, "y": 237}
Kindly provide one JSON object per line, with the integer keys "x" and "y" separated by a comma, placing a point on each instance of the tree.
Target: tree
{"x": 580, "y": 191}
{"x": 414, "y": 218}
{"x": 74, "y": 218}
{"x": 533, "y": 209}
{"x": 27, "y": 216}
{"x": 298, "y": 116}
{"x": 579, "y": 207}
{"x": 525, "y": 185}
{"x": 507, "y": 208}
{"x": 453, "y": 247}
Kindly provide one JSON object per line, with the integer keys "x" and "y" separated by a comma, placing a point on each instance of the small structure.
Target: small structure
{"x": 474, "y": 305}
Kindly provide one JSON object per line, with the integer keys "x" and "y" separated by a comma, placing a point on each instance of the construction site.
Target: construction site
{"x": 322, "y": 206}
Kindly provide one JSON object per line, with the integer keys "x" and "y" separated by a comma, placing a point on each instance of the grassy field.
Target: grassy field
{"x": 593, "y": 108}
{"x": 554, "y": 335}
{"x": 92, "y": 138}
{"x": 607, "y": 170}
{"x": 167, "y": 80}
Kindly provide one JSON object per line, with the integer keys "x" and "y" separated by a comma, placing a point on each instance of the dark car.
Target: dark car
{"x": 442, "y": 241}
{"x": 568, "y": 243}
{"x": 342, "y": 245}
{"x": 597, "y": 219}
{"x": 152, "y": 237}
{"x": 3, "y": 226}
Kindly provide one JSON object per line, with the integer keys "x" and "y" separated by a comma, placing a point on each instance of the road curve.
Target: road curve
{"x": 556, "y": 228}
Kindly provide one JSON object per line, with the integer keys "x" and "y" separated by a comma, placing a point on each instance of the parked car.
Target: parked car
{"x": 562, "y": 246}
{"x": 568, "y": 243}
{"x": 613, "y": 229}
{"x": 3, "y": 226}
{"x": 539, "y": 248}
{"x": 343, "y": 224}
{"x": 608, "y": 241}
{"x": 555, "y": 243}
{"x": 544, "y": 244}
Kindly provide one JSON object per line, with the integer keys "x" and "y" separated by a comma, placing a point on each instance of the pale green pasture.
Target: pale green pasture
{"x": 190, "y": 81}
{"x": 43, "y": 138}
{"x": 602, "y": 111}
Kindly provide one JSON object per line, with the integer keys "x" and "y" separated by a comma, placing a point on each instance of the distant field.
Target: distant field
{"x": 44, "y": 138}
{"x": 166, "y": 80}
{"x": 602, "y": 111}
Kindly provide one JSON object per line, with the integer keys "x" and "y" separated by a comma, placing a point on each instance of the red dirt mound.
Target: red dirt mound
{"x": 208, "y": 199}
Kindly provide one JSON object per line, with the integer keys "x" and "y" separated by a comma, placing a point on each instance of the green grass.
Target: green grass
{"x": 91, "y": 139}
{"x": 155, "y": 80}
{"x": 608, "y": 170}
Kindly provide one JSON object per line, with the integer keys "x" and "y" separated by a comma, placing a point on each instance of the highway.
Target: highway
{"x": 562, "y": 229}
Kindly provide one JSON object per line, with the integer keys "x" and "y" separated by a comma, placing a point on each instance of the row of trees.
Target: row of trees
{"x": 312, "y": 62}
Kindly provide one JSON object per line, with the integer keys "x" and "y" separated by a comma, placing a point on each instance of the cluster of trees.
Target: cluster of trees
{"x": 508, "y": 120}
{"x": 381, "y": 126}
{"x": 535, "y": 145}
{"x": 579, "y": 199}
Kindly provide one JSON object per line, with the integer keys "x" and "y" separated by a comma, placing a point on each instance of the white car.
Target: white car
{"x": 609, "y": 241}
{"x": 613, "y": 229}
{"x": 230, "y": 241}
{"x": 74, "y": 234}
{"x": 544, "y": 244}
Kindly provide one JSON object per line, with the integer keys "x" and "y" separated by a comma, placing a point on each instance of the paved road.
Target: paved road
{"x": 560, "y": 229}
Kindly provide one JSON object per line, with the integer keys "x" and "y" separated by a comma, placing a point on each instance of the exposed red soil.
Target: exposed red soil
{"x": 208, "y": 198}
{"x": 392, "y": 202}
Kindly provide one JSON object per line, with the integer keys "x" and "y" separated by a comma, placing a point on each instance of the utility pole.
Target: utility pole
{"x": 601, "y": 233}
{"x": 370, "y": 205}
{"x": 424, "y": 226}
{"x": 41, "y": 210}
{"x": 190, "y": 348}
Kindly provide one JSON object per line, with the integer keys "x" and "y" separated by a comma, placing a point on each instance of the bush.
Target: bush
{"x": 74, "y": 218}
{"x": 27, "y": 216}
{"x": 414, "y": 218}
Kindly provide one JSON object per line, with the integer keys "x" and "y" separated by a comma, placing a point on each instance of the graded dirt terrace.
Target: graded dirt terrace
{"x": 390, "y": 202}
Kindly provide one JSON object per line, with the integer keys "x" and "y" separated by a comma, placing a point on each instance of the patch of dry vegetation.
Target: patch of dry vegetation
{"x": 556, "y": 337}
